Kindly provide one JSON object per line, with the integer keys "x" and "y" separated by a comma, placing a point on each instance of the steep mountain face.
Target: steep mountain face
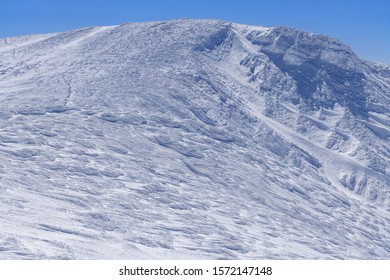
{"x": 192, "y": 139}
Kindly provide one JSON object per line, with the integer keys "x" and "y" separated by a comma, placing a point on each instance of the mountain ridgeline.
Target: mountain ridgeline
{"x": 192, "y": 139}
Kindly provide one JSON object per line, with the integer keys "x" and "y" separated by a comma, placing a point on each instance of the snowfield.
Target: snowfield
{"x": 192, "y": 139}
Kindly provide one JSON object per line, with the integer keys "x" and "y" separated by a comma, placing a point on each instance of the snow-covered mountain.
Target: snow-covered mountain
{"x": 192, "y": 139}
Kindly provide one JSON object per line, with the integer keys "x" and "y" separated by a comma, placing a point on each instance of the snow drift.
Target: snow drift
{"x": 192, "y": 139}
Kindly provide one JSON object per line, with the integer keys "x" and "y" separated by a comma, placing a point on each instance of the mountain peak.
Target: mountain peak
{"x": 192, "y": 139}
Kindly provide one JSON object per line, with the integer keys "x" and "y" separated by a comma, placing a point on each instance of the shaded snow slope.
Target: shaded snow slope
{"x": 192, "y": 139}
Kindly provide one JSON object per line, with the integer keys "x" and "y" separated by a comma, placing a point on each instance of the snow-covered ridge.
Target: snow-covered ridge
{"x": 192, "y": 139}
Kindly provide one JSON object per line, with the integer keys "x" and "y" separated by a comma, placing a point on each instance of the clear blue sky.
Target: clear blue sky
{"x": 363, "y": 25}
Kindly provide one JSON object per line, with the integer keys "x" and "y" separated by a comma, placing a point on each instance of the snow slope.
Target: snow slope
{"x": 192, "y": 139}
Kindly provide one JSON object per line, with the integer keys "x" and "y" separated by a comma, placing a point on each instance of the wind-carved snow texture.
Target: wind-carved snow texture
{"x": 192, "y": 139}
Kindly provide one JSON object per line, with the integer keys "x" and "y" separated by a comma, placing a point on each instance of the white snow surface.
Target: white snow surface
{"x": 192, "y": 139}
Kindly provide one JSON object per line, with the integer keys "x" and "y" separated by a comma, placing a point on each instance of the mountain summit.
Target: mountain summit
{"x": 192, "y": 139}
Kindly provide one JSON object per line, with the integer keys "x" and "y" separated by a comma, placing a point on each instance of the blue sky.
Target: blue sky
{"x": 363, "y": 25}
